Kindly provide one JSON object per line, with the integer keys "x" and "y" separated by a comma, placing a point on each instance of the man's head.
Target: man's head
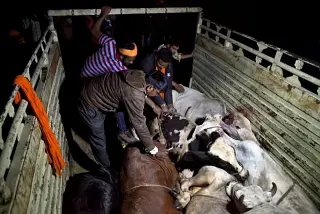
{"x": 128, "y": 53}
{"x": 164, "y": 56}
{"x": 174, "y": 46}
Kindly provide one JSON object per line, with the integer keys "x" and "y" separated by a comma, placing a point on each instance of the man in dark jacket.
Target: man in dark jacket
{"x": 106, "y": 94}
{"x": 158, "y": 65}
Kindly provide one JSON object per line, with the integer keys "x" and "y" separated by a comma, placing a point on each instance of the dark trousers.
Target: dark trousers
{"x": 121, "y": 122}
{"x": 94, "y": 120}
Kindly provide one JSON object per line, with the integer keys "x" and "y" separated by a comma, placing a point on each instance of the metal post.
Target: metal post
{"x": 52, "y": 29}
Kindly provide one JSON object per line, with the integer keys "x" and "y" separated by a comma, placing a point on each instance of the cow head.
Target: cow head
{"x": 176, "y": 131}
{"x": 237, "y": 126}
{"x": 210, "y": 124}
{"x": 247, "y": 197}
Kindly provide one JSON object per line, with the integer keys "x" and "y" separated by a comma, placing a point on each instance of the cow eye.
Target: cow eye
{"x": 237, "y": 127}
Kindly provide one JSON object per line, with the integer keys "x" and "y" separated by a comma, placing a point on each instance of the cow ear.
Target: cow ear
{"x": 209, "y": 117}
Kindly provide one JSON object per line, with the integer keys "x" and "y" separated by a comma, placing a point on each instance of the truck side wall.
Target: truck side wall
{"x": 33, "y": 185}
{"x": 284, "y": 115}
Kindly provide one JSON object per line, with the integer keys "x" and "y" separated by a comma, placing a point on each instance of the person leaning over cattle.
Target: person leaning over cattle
{"x": 159, "y": 71}
{"x": 109, "y": 59}
{"x": 108, "y": 93}
{"x": 174, "y": 46}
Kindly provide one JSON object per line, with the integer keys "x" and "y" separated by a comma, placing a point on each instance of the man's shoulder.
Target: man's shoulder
{"x": 105, "y": 39}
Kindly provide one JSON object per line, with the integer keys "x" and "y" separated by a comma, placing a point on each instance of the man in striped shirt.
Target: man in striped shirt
{"x": 109, "y": 59}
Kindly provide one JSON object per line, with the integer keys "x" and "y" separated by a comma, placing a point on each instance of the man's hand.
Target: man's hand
{"x": 154, "y": 151}
{"x": 171, "y": 109}
{"x": 164, "y": 108}
{"x": 105, "y": 11}
{"x": 157, "y": 110}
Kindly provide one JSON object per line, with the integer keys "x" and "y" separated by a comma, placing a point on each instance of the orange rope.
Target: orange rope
{"x": 52, "y": 144}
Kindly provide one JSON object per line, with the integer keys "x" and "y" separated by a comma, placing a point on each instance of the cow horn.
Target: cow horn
{"x": 274, "y": 189}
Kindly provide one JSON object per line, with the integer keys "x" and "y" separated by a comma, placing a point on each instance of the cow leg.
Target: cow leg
{"x": 227, "y": 153}
{"x": 162, "y": 140}
{"x": 203, "y": 178}
{"x": 186, "y": 173}
{"x": 153, "y": 127}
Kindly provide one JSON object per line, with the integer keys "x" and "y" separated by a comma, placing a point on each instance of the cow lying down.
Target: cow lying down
{"x": 243, "y": 156}
{"x": 194, "y": 105}
{"x": 212, "y": 190}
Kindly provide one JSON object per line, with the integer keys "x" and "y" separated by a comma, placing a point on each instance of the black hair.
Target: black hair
{"x": 175, "y": 42}
{"x": 165, "y": 54}
{"x": 126, "y": 45}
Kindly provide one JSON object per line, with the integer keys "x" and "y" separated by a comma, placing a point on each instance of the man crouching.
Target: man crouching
{"x": 108, "y": 93}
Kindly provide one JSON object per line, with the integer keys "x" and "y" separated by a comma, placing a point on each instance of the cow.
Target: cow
{"x": 237, "y": 126}
{"x": 207, "y": 193}
{"x": 262, "y": 169}
{"x": 147, "y": 182}
{"x": 252, "y": 199}
{"x": 92, "y": 192}
{"x": 197, "y": 150}
{"x": 194, "y": 105}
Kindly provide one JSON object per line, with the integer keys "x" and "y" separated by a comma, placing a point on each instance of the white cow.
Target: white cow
{"x": 195, "y": 105}
{"x": 206, "y": 193}
{"x": 262, "y": 170}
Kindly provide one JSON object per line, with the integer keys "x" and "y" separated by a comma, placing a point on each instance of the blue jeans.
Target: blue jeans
{"x": 121, "y": 122}
{"x": 94, "y": 120}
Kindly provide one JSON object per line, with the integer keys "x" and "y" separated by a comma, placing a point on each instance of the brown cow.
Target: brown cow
{"x": 147, "y": 183}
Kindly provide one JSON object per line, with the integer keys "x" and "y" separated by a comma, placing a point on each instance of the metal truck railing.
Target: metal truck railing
{"x": 278, "y": 90}
{"x": 28, "y": 183}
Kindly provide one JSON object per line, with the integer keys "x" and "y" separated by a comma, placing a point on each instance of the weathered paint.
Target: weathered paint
{"x": 34, "y": 186}
{"x": 285, "y": 117}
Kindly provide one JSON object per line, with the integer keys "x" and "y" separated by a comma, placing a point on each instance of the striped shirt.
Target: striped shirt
{"x": 104, "y": 60}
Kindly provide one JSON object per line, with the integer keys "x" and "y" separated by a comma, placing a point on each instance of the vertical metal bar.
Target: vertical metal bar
{"x": 199, "y": 22}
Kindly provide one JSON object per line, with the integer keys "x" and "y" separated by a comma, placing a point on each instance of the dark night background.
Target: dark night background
{"x": 290, "y": 25}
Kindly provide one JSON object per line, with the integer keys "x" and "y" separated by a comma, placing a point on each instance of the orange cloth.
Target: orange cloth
{"x": 163, "y": 70}
{"x": 52, "y": 144}
{"x": 130, "y": 53}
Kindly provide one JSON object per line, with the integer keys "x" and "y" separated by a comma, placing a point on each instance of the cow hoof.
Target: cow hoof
{"x": 183, "y": 200}
{"x": 187, "y": 173}
{"x": 162, "y": 141}
{"x": 185, "y": 184}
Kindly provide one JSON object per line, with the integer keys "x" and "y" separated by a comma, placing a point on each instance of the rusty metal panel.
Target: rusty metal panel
{"x": 285, "y": 114}
{"x": 23, "y": 162}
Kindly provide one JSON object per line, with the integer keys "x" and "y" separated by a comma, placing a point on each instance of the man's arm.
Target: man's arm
{"x": 135, "y": 105}
{"x": 156, "y": 109}
{"x": 147, "y": 66}
{"x": 95, "y": 31}
{"x": 168, "y": 92}
{"x": 158, "y": 100}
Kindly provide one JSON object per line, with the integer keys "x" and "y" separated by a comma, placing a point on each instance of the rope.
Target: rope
{"x": 151, "y": 185}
